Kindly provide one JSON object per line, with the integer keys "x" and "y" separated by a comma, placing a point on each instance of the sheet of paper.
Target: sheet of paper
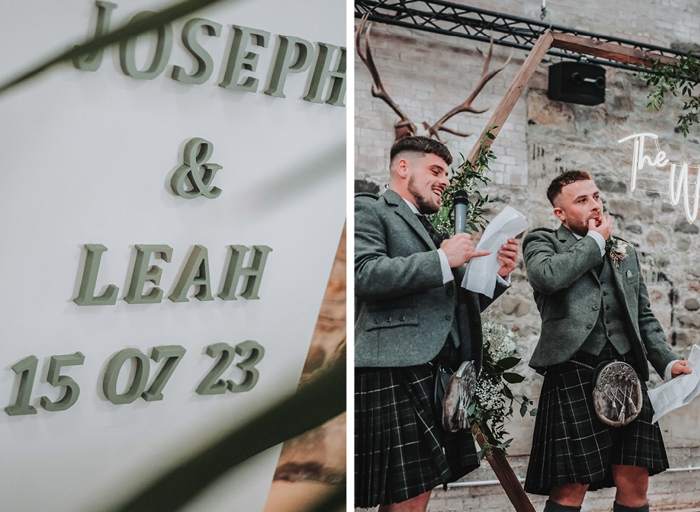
{"x": 481, "y": 272}
{"x": 679, "y": 391}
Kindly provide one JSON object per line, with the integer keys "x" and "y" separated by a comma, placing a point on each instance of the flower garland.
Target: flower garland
{"x": 493, "y": 400}
{"x": 468, "y": 177}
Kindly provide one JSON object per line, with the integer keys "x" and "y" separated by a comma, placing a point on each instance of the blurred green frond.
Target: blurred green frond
{"x": 319, "y": 400}
{"x": 124, "y": 32}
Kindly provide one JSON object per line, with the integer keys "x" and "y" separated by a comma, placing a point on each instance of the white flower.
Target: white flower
{"x": 489, "y": 393}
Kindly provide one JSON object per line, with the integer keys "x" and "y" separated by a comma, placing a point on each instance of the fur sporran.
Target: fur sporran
{"x": 453, "y": 394}
{"x": 617, "y": 393}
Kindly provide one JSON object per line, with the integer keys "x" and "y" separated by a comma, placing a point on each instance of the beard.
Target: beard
{"x": 578, "y": 227}
{"x": 426, "y": 205}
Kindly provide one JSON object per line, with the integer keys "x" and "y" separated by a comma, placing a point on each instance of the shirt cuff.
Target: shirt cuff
{"x": 447, "y": 274}
{"x": 667, "y": 371}
{"x": 599, "y": 240}
{"x": 505, "y": 281}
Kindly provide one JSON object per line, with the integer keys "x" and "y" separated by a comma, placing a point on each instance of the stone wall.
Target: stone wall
{"x": 428, "y": 74}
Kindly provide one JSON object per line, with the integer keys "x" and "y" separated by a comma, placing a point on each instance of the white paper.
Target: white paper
{"x": 481, "y": 272}
{"x": 679, "y": 391}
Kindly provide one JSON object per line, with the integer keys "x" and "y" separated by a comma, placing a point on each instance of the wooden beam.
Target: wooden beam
{"x": 505, "y": 107}
{"x": 611, "y": 51}
{"x": 505, "y": 474}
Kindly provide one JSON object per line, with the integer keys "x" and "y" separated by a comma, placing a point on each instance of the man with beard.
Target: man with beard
{"x": 595, "y": 308}
{"x": 411, "y": 315}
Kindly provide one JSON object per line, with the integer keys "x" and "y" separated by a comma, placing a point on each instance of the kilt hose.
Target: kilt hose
{"x": 401, "y": 451}
{"x": 571, "y": 445}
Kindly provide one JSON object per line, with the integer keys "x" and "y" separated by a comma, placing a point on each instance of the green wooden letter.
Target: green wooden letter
{"x": 236, "y": 271}
{"x": 86, "y": 295}
{"x": 251, "y": 374}
{"x": 127, "y": 51}
{"x": 143, "y": 273}
{"x": 205, "y": 64}
{"x": 240, "y": 58}
{"x": 173, "y": 355}
{"x": 55, "y": 378}
{"x": 26, "y": 369}
{"x": 211, "y": 384}
{"x": 195, "y": 273}
{"x": 138, "y": 383}
{"x": 322, "y": 72}
{"x": 92, "y": 60}
{"x": 283, "y": 63}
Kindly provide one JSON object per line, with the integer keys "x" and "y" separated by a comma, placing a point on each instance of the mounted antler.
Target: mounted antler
{"x": 486, "y": 76}
{"x": 404, "y": 127}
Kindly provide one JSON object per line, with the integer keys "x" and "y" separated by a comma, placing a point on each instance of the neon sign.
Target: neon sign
{"x": 639, "y": 160}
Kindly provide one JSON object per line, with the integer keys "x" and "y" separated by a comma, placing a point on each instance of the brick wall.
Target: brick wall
{"x": 427, "y": 75}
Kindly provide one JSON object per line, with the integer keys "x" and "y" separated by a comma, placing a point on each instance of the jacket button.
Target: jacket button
{"x": 448, "y": 317}
{"x": 402, "y": 318}
{"x": 605, "y": 294}
{"x": 376, "y": 320}
{"x": 595, "y": 308}
{"x": 388, "y": 319}
{"x": 589, "y": 326}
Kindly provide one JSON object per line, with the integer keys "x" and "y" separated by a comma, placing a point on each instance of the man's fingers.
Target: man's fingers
{"x": 480, "y": 253}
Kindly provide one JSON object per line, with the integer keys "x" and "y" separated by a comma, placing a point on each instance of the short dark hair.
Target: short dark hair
{"x": 563, "y": 180}
{"x": 420, "y": 145}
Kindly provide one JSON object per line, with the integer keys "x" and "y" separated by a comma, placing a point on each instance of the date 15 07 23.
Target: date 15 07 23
{"x": 211, "y": 384}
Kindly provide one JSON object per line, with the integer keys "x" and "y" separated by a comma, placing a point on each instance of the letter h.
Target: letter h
{"x": 236, "y": 271}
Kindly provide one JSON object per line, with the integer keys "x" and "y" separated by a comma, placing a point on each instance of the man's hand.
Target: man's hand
{"x": 508, "y": 257}
{"x": 460, "y": 249}
{"x": 602, "y": 226}
{"x": 679, "y": 368}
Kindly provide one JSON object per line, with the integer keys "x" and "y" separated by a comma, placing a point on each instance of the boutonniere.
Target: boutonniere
{"x": 617, "y": 249}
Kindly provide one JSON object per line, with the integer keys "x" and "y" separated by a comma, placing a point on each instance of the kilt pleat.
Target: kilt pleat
{"x": 400, "y": 451}
{"x": 571, "y": 445}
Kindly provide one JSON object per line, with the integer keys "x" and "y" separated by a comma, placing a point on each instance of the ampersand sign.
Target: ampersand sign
{"x": 197, "y": 152}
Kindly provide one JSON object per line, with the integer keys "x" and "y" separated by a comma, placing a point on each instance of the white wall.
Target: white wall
{"x": 87, "y": 158}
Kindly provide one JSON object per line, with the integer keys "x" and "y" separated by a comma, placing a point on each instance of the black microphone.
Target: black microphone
{"x": 461, "y": 200}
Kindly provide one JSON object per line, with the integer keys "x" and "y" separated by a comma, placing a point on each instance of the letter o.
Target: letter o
{"x": 138, "y": 384}
{"x": 164, "y": 46}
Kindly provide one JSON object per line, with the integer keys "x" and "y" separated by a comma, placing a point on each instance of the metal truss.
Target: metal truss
{"x": 448, "y": 18}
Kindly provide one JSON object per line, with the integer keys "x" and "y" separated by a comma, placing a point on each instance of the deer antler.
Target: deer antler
{"x": 404, "y": 125}
{"x": 486, "y": 76}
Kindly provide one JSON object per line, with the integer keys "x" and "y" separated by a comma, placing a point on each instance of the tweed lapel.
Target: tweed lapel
{"x": 566, "y": 237}
{"x": 621, "y": 283}
{"x": 403, "y": 211}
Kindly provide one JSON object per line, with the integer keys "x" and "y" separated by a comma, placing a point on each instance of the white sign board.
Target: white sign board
{"x": 88, "y": 161}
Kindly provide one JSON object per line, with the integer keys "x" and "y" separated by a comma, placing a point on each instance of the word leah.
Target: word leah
{"x": 292, "y": 55}
{"x": 676, "y": 188}
{"x": 195, "y": 273}
{"x": 171, "y": 355}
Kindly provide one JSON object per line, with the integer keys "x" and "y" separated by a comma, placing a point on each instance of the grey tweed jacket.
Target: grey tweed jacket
{"x": 404, "y": 312}
{"x": 568, "y": 296}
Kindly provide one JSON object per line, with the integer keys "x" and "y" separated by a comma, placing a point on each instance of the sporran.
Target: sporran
{"x": 617, "y": 393}
{"x": 453, "y": 394}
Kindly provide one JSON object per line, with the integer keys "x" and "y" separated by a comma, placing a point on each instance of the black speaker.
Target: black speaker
{"x": 576, "y": 82}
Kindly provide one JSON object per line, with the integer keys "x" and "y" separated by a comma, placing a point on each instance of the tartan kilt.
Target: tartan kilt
{"x": 571, "y": 445}
{"x": 400, "y": 449}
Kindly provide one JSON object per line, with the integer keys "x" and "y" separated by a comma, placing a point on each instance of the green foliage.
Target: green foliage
{"x": 319, "y": 400}
{"x": 468, "y": 177}
{"x": 678, "y": 79}
{"x": 157, "y": 19}
{"x": 493, "y": 401}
